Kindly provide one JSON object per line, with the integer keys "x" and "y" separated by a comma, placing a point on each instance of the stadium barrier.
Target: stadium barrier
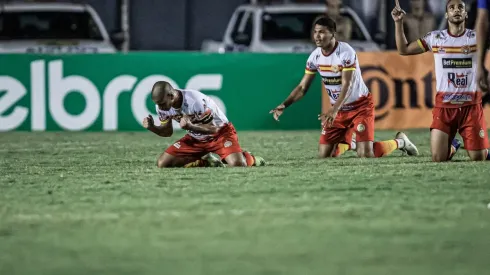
{"x": 111, "y": 92}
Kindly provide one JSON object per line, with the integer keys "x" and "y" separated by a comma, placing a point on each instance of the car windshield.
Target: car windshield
{"x": 297, "y": 26}
{"x": 48, "y": 25}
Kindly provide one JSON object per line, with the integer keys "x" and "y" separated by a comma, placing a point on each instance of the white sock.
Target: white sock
{"x": 353, "y": 145}
{"x": 400, "y": 142}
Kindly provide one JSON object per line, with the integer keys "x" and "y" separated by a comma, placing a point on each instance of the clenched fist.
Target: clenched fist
{"x": 185, "y": 122}
{"x": 148, "y": 122}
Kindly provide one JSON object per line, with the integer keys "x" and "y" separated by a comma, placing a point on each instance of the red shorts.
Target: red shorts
{"x": 468, "y": 120}
{"x": 224, "y": 144}
{"x": 359, "y": 120}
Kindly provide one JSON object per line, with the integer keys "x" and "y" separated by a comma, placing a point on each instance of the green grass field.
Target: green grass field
{"x": 95, "y": 203}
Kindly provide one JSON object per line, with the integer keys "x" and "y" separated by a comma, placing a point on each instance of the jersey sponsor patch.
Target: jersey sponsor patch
{"x": 333, "y": 94}
{"x": 361, "y": 128}
{"x": 457, "y": 63}
{"x": 458, "y": 80}
{"x": 332, "y": 80}
{"x": 457, "y": 98}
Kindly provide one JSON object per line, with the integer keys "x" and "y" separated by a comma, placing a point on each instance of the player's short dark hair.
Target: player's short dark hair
{"x": 327, "y": 22}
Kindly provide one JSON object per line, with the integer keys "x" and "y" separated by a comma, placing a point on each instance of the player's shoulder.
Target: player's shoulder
{"x": 344, "y": 48}
{"x": 191, "y": 93}
{"x": 437, "y": 34}
{"x": 470, "y": 33}
{"x": 314, "y": 56}
{"x": 316, "y": 53}
{"x": 194, "y": 98}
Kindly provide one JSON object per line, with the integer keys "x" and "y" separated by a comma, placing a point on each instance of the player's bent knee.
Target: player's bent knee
{"x": 326, "y": 150}
{"x": 477, "y": 155}
{"x": 237, "y": 163}
{"x": 161, "y": 163}
{"x": 236, "y": 160}
{"x": 323, "y": 155}
{"x": 365, "y": 154}
{"x": 439, "y": 158}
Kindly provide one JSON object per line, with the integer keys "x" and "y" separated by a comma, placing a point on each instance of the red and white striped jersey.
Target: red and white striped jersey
{"x": 342, "y": 58}
{"x": 455, "y": 63}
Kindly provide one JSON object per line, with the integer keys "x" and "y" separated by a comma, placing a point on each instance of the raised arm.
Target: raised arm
{"x": 482, "y": 44}
{"x": 404, "y": 47}
{"x": 165, "y": 129}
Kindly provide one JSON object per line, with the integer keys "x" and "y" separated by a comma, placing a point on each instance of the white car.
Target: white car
{"x": 53, "y": 28}
{"x": 283, "y": 28}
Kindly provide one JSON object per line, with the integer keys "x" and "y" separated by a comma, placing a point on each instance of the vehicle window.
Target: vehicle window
{"x": 244, "y": 30}
{"x": 48, "y": 25}
{"x": 297, "y": 26}
{"x": 284, "y": 26}
{"x": 238, "y": 22}
{"x": 249, "y": 26}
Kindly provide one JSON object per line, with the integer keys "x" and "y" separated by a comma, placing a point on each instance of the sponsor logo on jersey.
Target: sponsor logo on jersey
{"x": 457, "y": 63}
{"x": 332, "y": 80}
{"x": 457, "y": 98}
{"x": 346, "y": 62}
{"x": 335, "y": 68}
{"x": 361, "y": 128}
{"x": 333, "y": 94}
{"x": 310, "y": 66}
{"x": 458, "y": 80}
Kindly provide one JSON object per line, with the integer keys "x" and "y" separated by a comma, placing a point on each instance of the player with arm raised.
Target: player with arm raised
{"x": 482, "y": 36}
{"x": 352, "y": 106}
{"x": 209, "y": 131}
{"x": 458, "y": 102}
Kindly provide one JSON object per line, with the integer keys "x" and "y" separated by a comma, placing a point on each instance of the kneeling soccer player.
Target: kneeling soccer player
{"x": 209, "y": 133}
{"x": 352, "y": 105}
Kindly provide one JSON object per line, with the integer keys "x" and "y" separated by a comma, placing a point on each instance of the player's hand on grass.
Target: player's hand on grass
{"x": 397, "y": 13}
{"x": 148, "y": 122}
{"x": 329, "y": 117}
{"x": 277, "y": 112}
{"x": 185, "y": 122}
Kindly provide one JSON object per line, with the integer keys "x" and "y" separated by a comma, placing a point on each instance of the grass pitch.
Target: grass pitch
{"x": 94, "y": 203}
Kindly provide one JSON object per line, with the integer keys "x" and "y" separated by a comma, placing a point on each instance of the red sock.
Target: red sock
{"x": 249, "y": 158}
{"x": 384, "y": 148}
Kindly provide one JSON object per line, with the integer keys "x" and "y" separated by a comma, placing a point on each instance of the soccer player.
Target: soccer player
{"x": 352, "y": 108}
{"x": 209, "y": 131}
{"x": 482, "y": 35}
{"x": 458, "y": 102}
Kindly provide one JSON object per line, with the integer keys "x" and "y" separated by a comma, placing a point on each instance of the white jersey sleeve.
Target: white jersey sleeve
{"x": 312, "y": 62}
{"x": 348, "y": 59}
{"x": 425, "y": 42}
